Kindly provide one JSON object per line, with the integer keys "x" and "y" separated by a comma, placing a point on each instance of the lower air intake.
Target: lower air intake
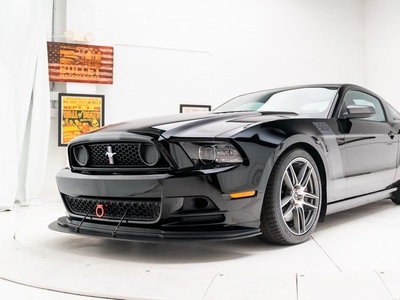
{"x": 134, "y": 210}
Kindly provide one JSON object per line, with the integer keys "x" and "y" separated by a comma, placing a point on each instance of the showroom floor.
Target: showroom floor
{"x": 353, "y": 255}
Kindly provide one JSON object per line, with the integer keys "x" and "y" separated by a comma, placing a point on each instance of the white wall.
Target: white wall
{"x": 225, "y": 47}
{"x": 208, "y": 51}
{"x": 382, "y": 31}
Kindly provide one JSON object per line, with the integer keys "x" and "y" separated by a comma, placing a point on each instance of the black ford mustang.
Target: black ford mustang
{"x": 270, "y": 163}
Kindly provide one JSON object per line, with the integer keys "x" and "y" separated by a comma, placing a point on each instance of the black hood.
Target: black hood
{"x": 197, "y": 125}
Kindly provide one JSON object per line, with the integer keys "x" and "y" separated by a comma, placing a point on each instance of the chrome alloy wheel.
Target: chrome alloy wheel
{"x": 300, "y": 196}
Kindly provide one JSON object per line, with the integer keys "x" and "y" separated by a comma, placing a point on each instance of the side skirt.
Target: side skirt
{"x": 349, "y": 203}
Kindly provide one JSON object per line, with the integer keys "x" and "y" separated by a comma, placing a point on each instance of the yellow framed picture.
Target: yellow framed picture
{"x": 78, "y": 114}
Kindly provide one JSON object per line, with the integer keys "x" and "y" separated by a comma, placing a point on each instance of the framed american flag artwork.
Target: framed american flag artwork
{"x": 80, "y": 63}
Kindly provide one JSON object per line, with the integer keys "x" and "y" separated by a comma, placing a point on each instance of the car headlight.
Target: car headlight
{"x": 209, "y": 153}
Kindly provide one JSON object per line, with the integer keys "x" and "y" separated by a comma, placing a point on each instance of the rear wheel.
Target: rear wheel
{"x": 396, "y": 197}
{"x": 292, "y": 201}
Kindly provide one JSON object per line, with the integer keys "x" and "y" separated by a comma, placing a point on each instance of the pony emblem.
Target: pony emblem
{"x": 110, "y": 155}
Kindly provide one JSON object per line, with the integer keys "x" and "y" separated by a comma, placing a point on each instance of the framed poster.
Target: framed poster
{"x": 78, "y": 114}
{"x": 80, "y": 63}
{"x": 190, "y": 108}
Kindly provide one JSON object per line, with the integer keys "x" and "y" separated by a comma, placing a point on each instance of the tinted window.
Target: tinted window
{"x": 395, "y": 113}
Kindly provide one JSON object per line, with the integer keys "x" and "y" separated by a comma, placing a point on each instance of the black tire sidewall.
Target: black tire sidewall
{"x": 275, "y": 184}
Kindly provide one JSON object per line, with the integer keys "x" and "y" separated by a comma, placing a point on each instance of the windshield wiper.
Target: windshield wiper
{"x": 278, "y": 113}
{"x": 233, "y": 111}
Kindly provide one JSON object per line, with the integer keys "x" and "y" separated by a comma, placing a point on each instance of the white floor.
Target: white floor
{"x": 353, "y": 255}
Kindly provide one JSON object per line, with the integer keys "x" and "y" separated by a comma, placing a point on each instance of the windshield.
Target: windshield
{"x": 313, "y": 101}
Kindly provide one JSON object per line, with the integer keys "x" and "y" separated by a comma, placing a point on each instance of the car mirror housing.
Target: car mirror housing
{"x": 359, "y": 111}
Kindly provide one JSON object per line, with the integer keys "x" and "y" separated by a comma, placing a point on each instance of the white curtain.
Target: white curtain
{"x": 24, "y": 102}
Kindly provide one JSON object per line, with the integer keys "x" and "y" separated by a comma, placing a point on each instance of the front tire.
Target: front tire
{"x": 293, "y": 199}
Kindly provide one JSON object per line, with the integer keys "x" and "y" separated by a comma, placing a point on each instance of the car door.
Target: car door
{"x": 370, "y": 146}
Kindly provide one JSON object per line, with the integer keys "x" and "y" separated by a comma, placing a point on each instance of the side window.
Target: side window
{"x": 395, "y": 113}
{"x": 360, "y": 98}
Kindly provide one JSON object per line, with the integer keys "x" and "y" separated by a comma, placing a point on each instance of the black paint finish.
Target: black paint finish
{"x": 357, "y": 158}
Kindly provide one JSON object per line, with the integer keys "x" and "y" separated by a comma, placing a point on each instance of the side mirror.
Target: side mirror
{"x": 359, "y": 111}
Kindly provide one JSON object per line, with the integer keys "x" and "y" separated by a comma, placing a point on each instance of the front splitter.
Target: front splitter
{"x": 148, "y": 235}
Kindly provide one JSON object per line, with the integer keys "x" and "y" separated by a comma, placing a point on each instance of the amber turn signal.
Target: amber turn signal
{"x": 245, "y": 194}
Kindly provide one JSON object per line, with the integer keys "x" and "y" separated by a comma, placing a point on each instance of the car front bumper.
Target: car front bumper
{"x": 178, "y": 217}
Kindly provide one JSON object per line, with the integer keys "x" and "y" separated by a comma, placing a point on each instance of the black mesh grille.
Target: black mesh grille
{"x": 144, "y": 210}
{"x": 125, "y": 154}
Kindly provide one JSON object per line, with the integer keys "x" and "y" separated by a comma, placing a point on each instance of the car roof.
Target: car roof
{"x": 292, "y": 87}
{"x": 341, "y": 87}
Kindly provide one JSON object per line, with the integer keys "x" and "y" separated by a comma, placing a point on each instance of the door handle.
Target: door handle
{"x": 391, "y": 134}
